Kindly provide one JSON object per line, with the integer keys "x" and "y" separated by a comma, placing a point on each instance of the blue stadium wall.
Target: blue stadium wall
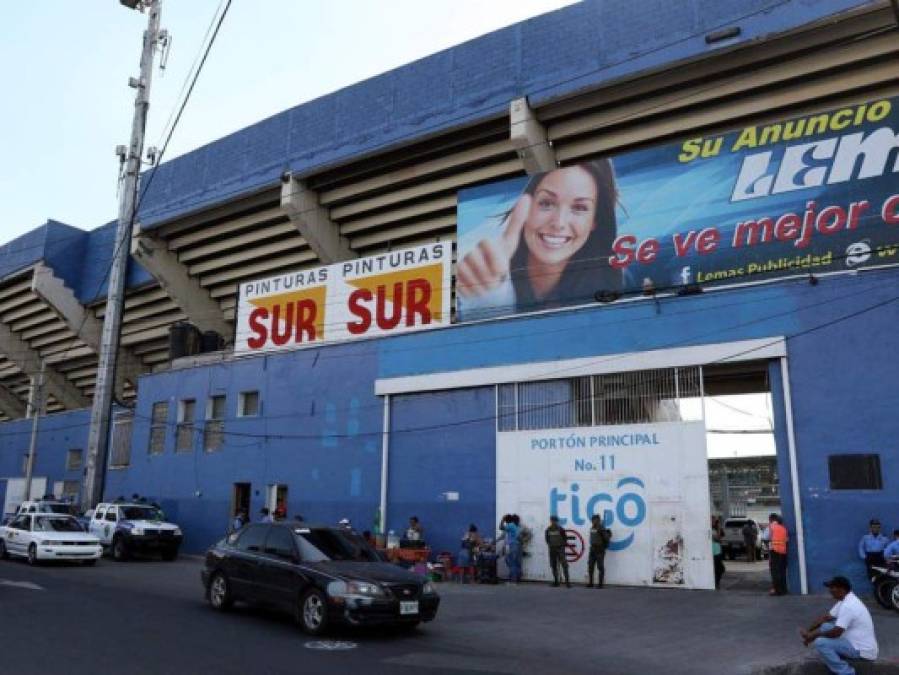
{"x": 57, "y": 434}
{"x": 320, "y": 430}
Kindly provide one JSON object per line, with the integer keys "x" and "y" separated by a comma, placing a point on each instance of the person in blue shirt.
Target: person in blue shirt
{"x": 892, "y": 549}
{"x": 871, "y": 546}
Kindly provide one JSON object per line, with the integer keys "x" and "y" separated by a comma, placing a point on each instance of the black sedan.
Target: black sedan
{"x": 320, "y": 574}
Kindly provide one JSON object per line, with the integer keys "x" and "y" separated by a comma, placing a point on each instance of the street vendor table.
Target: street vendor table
{"x": 408, "y": 555}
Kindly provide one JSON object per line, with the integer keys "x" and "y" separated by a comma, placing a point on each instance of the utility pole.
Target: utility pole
{"x": 101, "y": 411}
{"x": 35, "y": 408}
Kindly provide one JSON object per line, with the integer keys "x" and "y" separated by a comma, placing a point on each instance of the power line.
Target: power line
{"x": 556, "y": 84}
{"x": 604, "y": 360}
{"x": 495, "y": 417}
{"x": 143, "y": 191}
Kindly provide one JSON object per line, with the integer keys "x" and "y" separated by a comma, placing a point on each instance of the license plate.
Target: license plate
{"x": 410, "y": 607}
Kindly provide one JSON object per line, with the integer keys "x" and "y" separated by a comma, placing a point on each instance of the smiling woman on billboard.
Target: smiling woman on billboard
{"x": 551, "y": 249}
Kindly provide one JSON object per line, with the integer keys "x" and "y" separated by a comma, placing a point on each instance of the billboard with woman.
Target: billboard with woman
{"x": 809, "y": 195}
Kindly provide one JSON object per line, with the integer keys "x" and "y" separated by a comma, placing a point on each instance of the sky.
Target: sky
{"x": 739, "y": 413}
{"x": 64, "y": 67}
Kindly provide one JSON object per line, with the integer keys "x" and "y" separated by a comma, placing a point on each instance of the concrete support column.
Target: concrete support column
{"x": 28, "y": 361}
{"x": 83, "y": 323}
{"x": 10, "y": 404}
{"x": 313, "y": 221}
{"x": 529, "y": 138}
{"x": 184, "y": 290}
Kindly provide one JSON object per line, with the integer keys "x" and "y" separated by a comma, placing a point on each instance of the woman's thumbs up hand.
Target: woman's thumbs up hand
{"x": 489, "y": 263}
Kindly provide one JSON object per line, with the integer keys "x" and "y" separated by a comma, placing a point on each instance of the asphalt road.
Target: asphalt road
{"x": 150, "y": 617}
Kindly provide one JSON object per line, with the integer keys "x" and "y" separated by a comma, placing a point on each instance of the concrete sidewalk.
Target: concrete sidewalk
{"x": 536, "y": 628}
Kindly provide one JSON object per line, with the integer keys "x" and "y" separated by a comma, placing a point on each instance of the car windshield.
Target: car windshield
{"x": 141, "y": 513}
{"x": 55, "y": 508}
{"x": 56, "y": 524}
{"x": 325, "y": 544}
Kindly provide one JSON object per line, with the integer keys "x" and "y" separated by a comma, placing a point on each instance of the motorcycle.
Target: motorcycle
{"x": 885, "y": 580}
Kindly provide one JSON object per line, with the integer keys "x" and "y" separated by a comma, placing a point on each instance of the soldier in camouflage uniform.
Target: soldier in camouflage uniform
{"x": 600, "y": 536}
{"x": 556, "y": 540}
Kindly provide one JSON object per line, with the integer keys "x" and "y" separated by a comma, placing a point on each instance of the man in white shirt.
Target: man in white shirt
{"x": 846, "y": 632}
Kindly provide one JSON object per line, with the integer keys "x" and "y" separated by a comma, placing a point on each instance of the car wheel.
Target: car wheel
{"x": 409, "y": 627}
{"x": 32, "y": 555}
{"x": 883, "y": 592}
{"x": 90, "y": 563}
{"x": 3, "y": 554}
{"x": 119, "y": 550}
{"x": 170, "y": 555}
{"x": 220, "y": 592}
{"x": 314, "y": 612}
{"x": 894, "y": 597}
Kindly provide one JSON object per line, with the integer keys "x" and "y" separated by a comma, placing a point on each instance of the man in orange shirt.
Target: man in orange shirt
{"x": 777, "y": 560}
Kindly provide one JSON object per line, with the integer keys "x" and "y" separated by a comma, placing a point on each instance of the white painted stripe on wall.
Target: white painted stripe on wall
{"x": 722, "y": 352}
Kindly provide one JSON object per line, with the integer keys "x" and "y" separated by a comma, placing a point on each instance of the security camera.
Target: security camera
{"x": 286, "y": 176}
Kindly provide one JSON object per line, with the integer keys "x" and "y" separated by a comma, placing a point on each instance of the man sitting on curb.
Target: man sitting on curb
{"x": 846, "y": 632}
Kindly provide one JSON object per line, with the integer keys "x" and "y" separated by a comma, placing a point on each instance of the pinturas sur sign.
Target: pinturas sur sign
{"x": 389, "y": 293}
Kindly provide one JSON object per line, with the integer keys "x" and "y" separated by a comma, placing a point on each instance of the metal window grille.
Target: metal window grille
{"x": 553, "y": 404}
{"x": 616, "y": 398}
{"x": 122, "y": 424}
{"x": 159, "y": 419}
{"x": 184, "y": 433}
{"x": 505, "y": 407}
{"x": 214, "y": 431}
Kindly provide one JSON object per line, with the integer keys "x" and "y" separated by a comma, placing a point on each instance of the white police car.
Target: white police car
{"x": 45, "y": 506}
{"x": 127, "y": 528}
{"x": 48, "y": 536}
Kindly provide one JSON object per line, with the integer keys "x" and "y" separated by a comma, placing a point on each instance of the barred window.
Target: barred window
{"x": 506, "y": 407}
{"x": 855, "y": 472}
{"x": 616, "y": 398}
{"x": 554, "y": 404}
{"x": 184, "y": 434}
{"x": 158, "y": 423}
{"x": 122, "y": 424}
{"x": 214, "y": 432}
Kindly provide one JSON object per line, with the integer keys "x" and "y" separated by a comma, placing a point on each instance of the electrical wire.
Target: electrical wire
{"x": 542, "y": 377}
{"x": 144, "y": 191}
{"x": 145, "y": 187}
{"x": 601, "y": 361}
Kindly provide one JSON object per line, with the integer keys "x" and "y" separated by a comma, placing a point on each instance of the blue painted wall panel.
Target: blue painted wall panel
{"x": 428, "y": 460}
{"x": 845, "y": 379}
{"x": 22, "y": 251}
{"x": 322, "y": 423}
{"x": 320, "y": 428}
{"x": 57, "y": 434}
{"x": 97, "y": 254}
{"x": 321, "y": 402}
{"x": 65, "y": 251}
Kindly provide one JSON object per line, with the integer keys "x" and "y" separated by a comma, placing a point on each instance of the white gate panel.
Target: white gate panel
{"x": 15, "y": 492}
{"x": 648, "y": 481}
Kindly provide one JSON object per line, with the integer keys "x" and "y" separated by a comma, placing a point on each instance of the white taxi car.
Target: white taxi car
{"x": 48, "y": 536}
